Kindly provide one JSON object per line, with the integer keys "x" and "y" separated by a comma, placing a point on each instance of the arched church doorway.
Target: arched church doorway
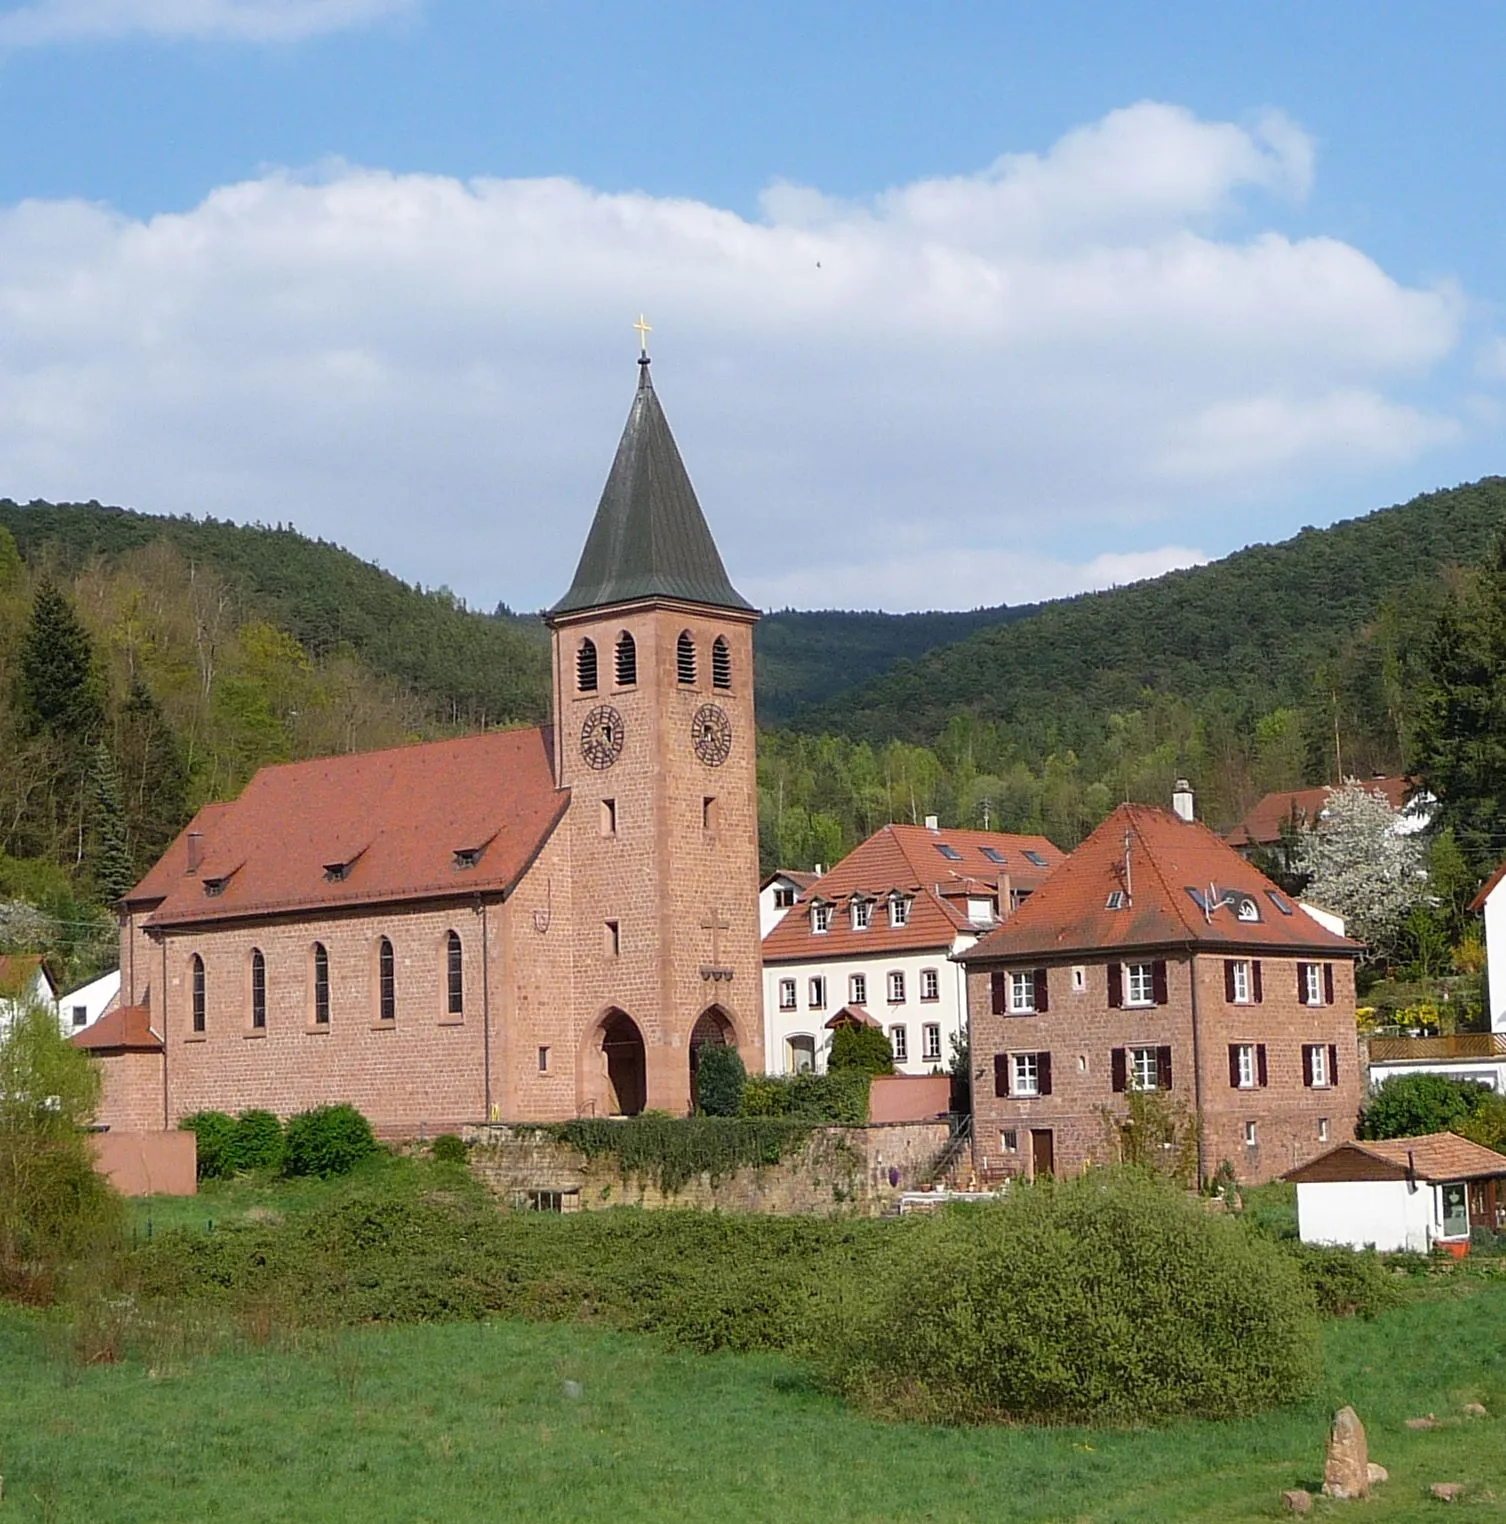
{"x": 713, "y": 1028}
{"x": 622, "y": 1051}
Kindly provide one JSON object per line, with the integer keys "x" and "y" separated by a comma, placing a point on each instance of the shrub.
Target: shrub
{"x": 863, "y": 1048}
{"x": 719, "y": 1080}
{"x": 215, "y": 1135}
{"x": 328, "y": 1140}
{"x": 255, "y": 1144}
{"x": 1409, "y": 1105}
{"x": 671, "y": 1151}
{"x": 449, "y": 1148}
{"x": 840, "y": 1098}
{"x": 1112, "y": 1297}
{"x": 1346, "y": 1283}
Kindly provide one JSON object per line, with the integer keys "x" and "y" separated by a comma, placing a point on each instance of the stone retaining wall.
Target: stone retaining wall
{"x": 839, "y": 1172}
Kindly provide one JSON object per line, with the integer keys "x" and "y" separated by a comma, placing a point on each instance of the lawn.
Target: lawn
{"x": 466, "y": 1421}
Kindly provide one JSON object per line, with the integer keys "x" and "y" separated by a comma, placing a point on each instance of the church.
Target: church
{"x": 519, "y": 925}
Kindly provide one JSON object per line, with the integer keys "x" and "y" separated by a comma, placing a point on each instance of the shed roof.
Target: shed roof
{"x": 1433, "y": 1157}
{"x": 126, "y": 1029}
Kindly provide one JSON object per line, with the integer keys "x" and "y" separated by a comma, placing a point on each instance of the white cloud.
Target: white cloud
{"x": 965, "y": 384}
{"x": 47, "y": 21}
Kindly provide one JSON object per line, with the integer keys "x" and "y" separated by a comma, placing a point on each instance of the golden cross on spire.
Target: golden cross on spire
{"x": 643, "y": 332}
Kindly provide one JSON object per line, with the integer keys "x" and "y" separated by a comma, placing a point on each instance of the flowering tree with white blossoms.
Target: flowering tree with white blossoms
{"x": 1362, "y": 867}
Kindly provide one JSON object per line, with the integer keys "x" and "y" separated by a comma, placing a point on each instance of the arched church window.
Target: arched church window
{"x": 454, "y": 974}
{"x": 685, "y": 657}
{"x": 627, "y": 661}
{"x": 321, "y": 985}
{"x": 386, "y": 981}
{"x": 721, "y": 663}
{"x": 258, "y": 990}
{"x": 585, "y": 667}
{"x": 196, "y": 969}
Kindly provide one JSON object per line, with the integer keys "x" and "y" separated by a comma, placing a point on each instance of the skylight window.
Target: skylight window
{"x": 1115, "y": 901}
{"x": 994, "y": 855}
{"x": 1279, "y": 901}
{"x": 1198, "y": 898}
{"x": 1036, "y": 858}
{"x": 951, "y": 854}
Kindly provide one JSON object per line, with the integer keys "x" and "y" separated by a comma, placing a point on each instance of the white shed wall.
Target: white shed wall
{"x": 1495, "y": 950}
{"x": 1389, "y": 1215}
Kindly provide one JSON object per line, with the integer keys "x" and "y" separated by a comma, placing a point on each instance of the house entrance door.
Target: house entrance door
{"x": 1042, "y": 1152}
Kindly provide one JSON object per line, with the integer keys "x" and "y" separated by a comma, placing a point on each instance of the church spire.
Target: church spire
{"x": 649, "y": 538}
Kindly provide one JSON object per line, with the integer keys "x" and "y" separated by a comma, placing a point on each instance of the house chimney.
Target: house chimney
{"x": 1183, "y": 801}
{"x": 933, "y": 823}
{"x": 195, "y": 851}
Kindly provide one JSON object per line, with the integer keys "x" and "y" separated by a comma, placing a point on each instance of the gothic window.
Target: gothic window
{"x": 258, "y": 990}
{"x": 685, "y": 658}
{"x": 454, "y": 975}
{"x": 321, "y": 985}
{"x": 627, "y": 661}
{"x": 386, "y": 981}
{"x": 196, "y": 967}
{"x": 585, "y": 667}
{"x": 721, "y": 663}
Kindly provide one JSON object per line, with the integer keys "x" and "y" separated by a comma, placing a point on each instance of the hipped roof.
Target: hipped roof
{"x": 391, "y": 821}
{"x": 1157, "y": 861}
{"x": 649, "y": 538}
{"x": 1432, "y": 1156}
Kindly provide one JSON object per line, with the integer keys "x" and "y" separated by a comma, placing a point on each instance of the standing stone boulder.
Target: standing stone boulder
{"x": 1346, "y": 1473}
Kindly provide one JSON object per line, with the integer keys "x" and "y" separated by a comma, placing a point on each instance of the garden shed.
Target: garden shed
{"x": 1402, "y": 1193}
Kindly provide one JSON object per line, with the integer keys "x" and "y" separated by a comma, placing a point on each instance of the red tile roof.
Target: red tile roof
{"x": 18, "y": 970}
{"x": 1478, "y": 903}
{"x": 393, "y": 820}
{"x": 1263, "y": 825}
{"x": 126, "y": 1029}
{"x": 1167, "y": 858}
{"x": 906, "y": 858}
{"x": 852, "y": 1016}
{"x": 1434, "y": 1155}
{"x": 799, "y": 879}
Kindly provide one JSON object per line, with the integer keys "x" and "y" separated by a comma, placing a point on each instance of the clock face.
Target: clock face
{"x": 711, "y": 733}
{"x": 601, "y": 737}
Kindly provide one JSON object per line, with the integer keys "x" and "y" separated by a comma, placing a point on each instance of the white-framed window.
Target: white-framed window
{"x": 899, "y": 910}
{"x": 1144, "y": 1074}
{"x": 862, "y": 913}
{"x": 1251, "y": 1135}
{"x": 80, "y": 1015}
{"x": 1248, "y": 910}
{"x": 980, "y": 912}
{"x": 1244, "y": 1065}
{"x": 1022, "y": 991}
{"x": 899, "y": 1041}
{"x": 857, "y": 989}
{"x": 817, "y": 993}
{"x": 800, "y": 1054}
{"x": 930, "y": 984}
{"x": 897, "y": 987}
{"x": 820, "y": 919}
{"x": 1317, "y": 1066}
{"x": 930, "y": 1043}
{"x": 1009, "y": 1141}
{"x": 1079, "y": 980}
{"x": 1140, "y": 984}
{"x": 1239, "y": 982}
{"x": 1322, "y": 1129}
{"x": 786, "y": 994}
{"x": 1312, "y": 979}
{"x": 784, "y": 896}
{"x": 1025, "y": 1074}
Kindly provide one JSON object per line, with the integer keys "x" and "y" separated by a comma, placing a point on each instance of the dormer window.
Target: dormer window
{"x": 862, "y": 914}
{"x": 1246, "y": 909}
{"x": 215, "y": 884}
{"x": 820, "y": 919}
{"x": 338, "y": 871}
{"x": 980, "y": 912}
{"x": 899, "y": 911}
{"x": 468, "y": 857}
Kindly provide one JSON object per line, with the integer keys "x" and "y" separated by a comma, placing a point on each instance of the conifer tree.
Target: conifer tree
{"x": 109, "y": 852}
{"x": 61, "y": 692}
{"x": 153, "y": 774}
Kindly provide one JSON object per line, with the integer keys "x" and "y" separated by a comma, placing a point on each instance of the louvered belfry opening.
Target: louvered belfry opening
{"x": 721, "y": 663}
{"x": 585, "y": 667}
{"x": 685, "y": 658}
{"x": 627, "y": 661}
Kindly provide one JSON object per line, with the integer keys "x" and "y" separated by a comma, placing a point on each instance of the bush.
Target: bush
{"x": 1410, "y": 1105}
{"x": 671, "y": 1151}
{"x": 328, "y": 1140}
{"x": 1346, "y": 1283}
{"x": 255, "y": 1144}
{"x": 215, "y": 1134}
{"x": 1111, "y": 1297}
{"x": 840, "y": 1098}
{"x": 719, "y": 1080}
{"x": 865, "y": 1049}
{"x": 449, "y": 1148}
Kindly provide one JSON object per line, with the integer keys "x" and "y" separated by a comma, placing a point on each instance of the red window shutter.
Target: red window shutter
{"x": 1301, "y": 984}
{"x": 1120, "y": 1071}
{"x": 1328, "y": 984}
{"x": 1307, "y": 1065}
{"x": 1229, "y": 980}
{"x": 1234, "y": 1066}
{"x": 1260, "y": 1074}
{"x": 1001, "y": 1074}
{"x": 1042, "y": 995}
{"x": 1043, "y": 1073}
{"x": 1158, "y": 980}
{"x": 1163, "y": 1068}
{"x": 1116, "y": 987}
{"x": 1257, "y": 990}
{"x": 1333, "y": 1063}
{"x": 998, "y": 984}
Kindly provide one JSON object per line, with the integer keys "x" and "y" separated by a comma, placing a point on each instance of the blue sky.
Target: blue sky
{"x": 952, "y": 304}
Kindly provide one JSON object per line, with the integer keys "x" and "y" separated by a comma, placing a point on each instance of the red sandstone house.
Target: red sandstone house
{"x": 1269, "y": 823}
{"x": 520, "y": 925}
{"x": 1157, "y": 959}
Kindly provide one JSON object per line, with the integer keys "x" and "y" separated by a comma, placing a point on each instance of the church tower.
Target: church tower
{"x": 654, "y": 737}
